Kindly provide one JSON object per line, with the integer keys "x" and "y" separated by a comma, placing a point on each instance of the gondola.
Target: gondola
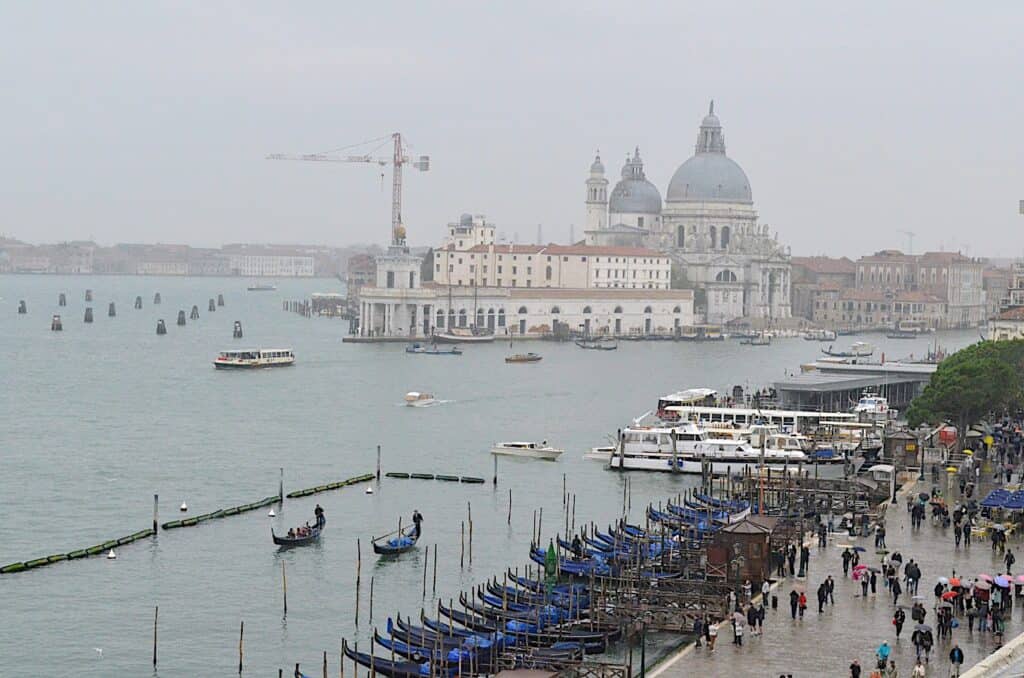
{"x": 450, "y": 656}
{"x": 596, "y": 345}
{"x": 403, "y": 628}
{"x": 393, "y": 545}
{"x": 595, "y": 566}
{"x": 397, "y": 669}
{"x": 519, "y": 632}
{"x": 314, "y": 535}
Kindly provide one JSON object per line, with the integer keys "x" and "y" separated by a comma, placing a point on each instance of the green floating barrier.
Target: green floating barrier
{"x": 36, "y": 563}
{"x": 267, "y": 501}
{"x": 321, "y": 488}
{"x": 360, "y": 479}
{"x": 81, "y": 553}
{"x": 472, "y": 479}
{"x": 233, "y": 511}
{"x": 95, "y": 550}
{"x": 171, "y": 524}
{"x": 448, "y": 478}
{"x": 125, "y": 540}
{"x": 334, "y": 486}
{"x": 148, "y": 532}
{"x": 13, "y": 567}
{"x": 395, "y": 474}
{"x": 56, "y": 558}
{"x": 109, "y": 544}
{"x": 422, "y": 476}
{"x": 188, "y": 522}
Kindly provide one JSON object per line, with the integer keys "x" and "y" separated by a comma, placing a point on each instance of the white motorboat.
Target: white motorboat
{"x": 261, "y": 287}
{"x": 418, "y": 399}
{"x": 254, "y": 358}
{"x": 651, "y": 448}
{"x": 526, "y": 449}
{"x": 873, "y": 405}
{"x": 820, "y": 335}
{"x": 463, "y": 335}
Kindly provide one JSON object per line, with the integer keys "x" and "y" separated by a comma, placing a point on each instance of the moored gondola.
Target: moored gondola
{"x": 397, "y": 669}
{"x": 396, "y": 542}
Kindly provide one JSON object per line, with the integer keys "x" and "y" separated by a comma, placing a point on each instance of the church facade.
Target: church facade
{"x": 707, "y": 223}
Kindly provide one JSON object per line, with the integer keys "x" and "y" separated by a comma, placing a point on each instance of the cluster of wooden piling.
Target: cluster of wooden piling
{"x": 303, "y": 308}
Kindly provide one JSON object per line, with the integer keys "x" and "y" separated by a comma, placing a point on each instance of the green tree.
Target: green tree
{"x": 983, "y": 378}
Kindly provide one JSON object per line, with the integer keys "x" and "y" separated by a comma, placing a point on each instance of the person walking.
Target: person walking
{"x": 864, "y": 584}
{"x": 899, "y": 618}
{"x": 822, "y": 596}
{"x": 967, "y": 532}
{"x": 891, "y": 671}
{"x": 698, "y": 630}
{"x": 805, "y": 560}
{"x": 794, "y": 602}
{"x": 766, "y": 588}
{"x": 956, "y": 660}
{"x": 896, "y": 590}
{"x": 1009, "y": 559}
{"x": 830, "y": 589}
{"x": 919, "y": 670}
{"x": 752, "y": 619}
{"x": 712, "y": 635}
{"x": 803, "y": 604}
{"x": 855, "y": 669}
{"x": 847, "y": 557}
{"x": 883, "y": 654}
{"x": 874, "y": 582}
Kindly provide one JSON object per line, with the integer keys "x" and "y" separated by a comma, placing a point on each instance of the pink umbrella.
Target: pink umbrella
{"x": 986, "y": 577}
{"x": 861, "y": 566}
{"x": 1020, "y": 578}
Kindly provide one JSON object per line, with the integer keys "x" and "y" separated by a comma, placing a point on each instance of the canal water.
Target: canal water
{"x": 99, "y": 417}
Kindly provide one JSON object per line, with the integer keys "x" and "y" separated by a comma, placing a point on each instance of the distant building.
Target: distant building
{"x": 207, "y": 262}
{"x": 1009, "y": 322}
{"x": 262, "y": 261}
{"x": 950, "y": 276}
{"x": 845, "y": 307}
{"x": 815, "y": 278}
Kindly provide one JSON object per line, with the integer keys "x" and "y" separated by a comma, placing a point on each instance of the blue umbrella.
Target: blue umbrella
{"x": 1002, "y": 581}
{"x": 859, "y": 548}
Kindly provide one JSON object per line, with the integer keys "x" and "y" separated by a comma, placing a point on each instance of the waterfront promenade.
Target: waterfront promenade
{"x": 825, "y": 644}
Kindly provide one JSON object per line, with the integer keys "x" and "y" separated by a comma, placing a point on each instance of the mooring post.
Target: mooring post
{"x": 426, "y": 560}
{"x": 378, "y": 463}
{"x": 462, "y": 546}
{"x": 510, "y": 506}
{"x": 495, "y": 468}
{"x": 434, "y": 588}
{"x": 280, "y": 484}
{"x": 241, "y": 634}
{"x": 371, "y": 599}
{"x": 284, "y": 588}
{"x": 156, "y": 616}
{"x": 325, "y": 651}
{"x": 156, "y": 512}
{"x": 359, "y": 569}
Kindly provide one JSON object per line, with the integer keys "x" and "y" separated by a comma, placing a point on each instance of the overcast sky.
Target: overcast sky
{"x": 149, "y": 121}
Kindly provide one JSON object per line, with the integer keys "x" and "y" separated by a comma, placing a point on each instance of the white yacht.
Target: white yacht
{"x": 871, "y": 404}
{"x": 418, "y": 399}
{"x": 526, "y": 449}
{"x": 651, "y": 448}
{"x": 254, "y": 358}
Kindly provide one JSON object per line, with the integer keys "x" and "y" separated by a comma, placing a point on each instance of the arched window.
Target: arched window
{"x": 681, "y": 236}
{"x": 547, "y": 273}
{"x": 714, "y": 237}
{"x": 522, "y": 309}
{"x": 586, "y": 309}
{"x": 725, "y": 276}
{"x": 647, "y": 309}
{"x": 725, "y": 237}
{"x": 501, "y": 317}
{"x": 618, "y": 309}
{"x": 462, "y": 318}
{"x": 555, "y": 310}
{"x": 479, "y": 317}
{"x": 440, "y": 319}
{"x": 677, "y": 309}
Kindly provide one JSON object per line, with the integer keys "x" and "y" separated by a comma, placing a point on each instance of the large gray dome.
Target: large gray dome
{"x": 710, "y": 177}
{"x": 634, "y": 194}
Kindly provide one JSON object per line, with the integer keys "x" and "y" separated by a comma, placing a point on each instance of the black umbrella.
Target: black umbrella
{"x": 923, "y": 495}
{"x": 922, "y": 628}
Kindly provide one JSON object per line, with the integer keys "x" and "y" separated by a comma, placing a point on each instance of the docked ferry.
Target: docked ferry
{"x": 651, "y": 448}
{"x": 254, "y": 358}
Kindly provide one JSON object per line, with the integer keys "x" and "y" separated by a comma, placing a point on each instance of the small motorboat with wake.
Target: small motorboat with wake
{"x": 418, "y": 399}
{"x": 523, "y": 358}
{"x": 526, "y": 449}
{"x": 433, "y": 349}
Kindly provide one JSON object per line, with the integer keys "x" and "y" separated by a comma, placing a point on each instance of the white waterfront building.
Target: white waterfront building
{"x": 401, "y": 305}
{"x": 707, "y": 223}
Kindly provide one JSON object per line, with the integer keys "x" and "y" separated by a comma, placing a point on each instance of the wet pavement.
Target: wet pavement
{"x": 825, "y": 644}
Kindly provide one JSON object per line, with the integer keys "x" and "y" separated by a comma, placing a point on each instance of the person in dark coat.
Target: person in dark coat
{"x": 847, "y": 557}
{"x": 794, "y": 600}
{"x": 874, "y": 582}
{"x": 898, "y": 619}
{"x": 417, "y": 518}
{"x": 822, "y": 596}
{"x": 896, "y": 590}
{"x": 956, "y": 659}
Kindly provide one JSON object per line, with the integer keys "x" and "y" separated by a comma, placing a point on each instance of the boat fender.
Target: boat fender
{"x": 395, "y": 474}
{"x": 13, "y": 567}
{"x": 472, "y": 479}
{"x": 447, "y": 478}
{"x": 422, "y": 476}
{"x": 56, "y": 558}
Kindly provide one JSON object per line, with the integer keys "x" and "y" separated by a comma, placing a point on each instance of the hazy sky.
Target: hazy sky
{"x": 149, "y": 121}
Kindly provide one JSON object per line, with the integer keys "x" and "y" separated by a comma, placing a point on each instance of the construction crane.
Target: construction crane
{"x": 397, "y": 160}
{"x": 910, "y": 240}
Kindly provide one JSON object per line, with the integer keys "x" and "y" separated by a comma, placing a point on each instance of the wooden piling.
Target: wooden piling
{"x": 540, "y": 524}
{"x": 378, "y": 463}
{"x": 434, "y": 588}
{"x": 462, "y": 546}
{"x": 280, "y": 484}
{"x": 156, "y": 616}
{"x": 156, "y": 512}
{"x": 471, "y": 543}
{"x": 510, "y": 506}
{"x": 284, "y": 588}
{"x": 241, "y": 635}
{"x": 325, "y": 663}
{"x": 495, "y": 468}
{"x": 426, "y": 560}
{"x": 370, "y": 616}
{"x": 359, "y": 568}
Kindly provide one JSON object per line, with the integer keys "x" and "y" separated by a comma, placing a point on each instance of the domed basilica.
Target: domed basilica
{"x": 707, "y": 223}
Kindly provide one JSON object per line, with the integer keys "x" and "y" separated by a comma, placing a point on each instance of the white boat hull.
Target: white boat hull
{"x": 663, "y": 464}
{"x": 550, "y": 454}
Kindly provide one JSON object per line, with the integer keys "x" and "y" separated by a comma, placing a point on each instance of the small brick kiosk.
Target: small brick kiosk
{"x": 742, "y": 549}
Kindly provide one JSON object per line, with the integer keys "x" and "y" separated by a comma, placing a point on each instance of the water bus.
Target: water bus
{"x": 526, "y": 449}
{"x": 254, "y": 358}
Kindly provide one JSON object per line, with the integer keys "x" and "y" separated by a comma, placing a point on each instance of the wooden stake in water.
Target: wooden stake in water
{"x": 462, "y": 545}
{"x": 156, "y": 512}
{"x": 359, "y": 569}
{"x": 371, "y": 598}
{"x": 378, "y": 467}
{"x": 510, "y": 506}
{"x": 156, "y": 615}
{"x": 325, "y": 663}
{"x": 284, "y": 588}
{"x": 241, "y": 634}
{"x": 426, "y": 559}
{"x": 495, "y": 468}
{"x": 434, "y": 588}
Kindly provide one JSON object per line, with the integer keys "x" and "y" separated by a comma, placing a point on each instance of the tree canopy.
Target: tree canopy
{"x": 973, "y": 382}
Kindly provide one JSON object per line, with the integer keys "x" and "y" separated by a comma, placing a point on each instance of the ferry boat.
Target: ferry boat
{"x": 261, "y": 287}
{"x": 690, "y": 396}
{"x": 254, "y": 358}
{"x": 859, "y": 349}
{"x": 651, "y": 448}
{"x": 526, "y": 449}
{"x": 418, "y": 399}
{"x": 760, "y": 339}
{"x": 746, "y": 417}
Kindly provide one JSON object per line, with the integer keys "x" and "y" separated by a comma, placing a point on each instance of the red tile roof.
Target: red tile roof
{"x": 1015, "y": 313}
{"x": 826, "y": 264}
{"x": 582, "y": 250}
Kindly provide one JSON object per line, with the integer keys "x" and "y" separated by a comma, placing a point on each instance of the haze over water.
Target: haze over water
{"x": 98, "y": 418}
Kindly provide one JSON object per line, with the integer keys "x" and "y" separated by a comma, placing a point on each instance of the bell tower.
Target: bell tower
{"x": 597, "y": 196}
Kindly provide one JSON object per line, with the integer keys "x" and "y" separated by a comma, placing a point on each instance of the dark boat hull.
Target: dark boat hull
{"x": 311, "y": 538}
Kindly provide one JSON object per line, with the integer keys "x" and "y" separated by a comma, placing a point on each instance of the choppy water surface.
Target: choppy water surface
{"x": 98, "y": 418}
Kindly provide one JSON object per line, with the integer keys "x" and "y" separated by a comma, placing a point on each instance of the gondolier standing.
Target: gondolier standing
{"x": 417, "y": 518}
{"x": 319, "y": 513}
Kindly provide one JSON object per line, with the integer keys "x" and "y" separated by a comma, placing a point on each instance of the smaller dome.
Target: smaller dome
{"x": 634, "y": 194}
{"x": 597, "y": 167}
